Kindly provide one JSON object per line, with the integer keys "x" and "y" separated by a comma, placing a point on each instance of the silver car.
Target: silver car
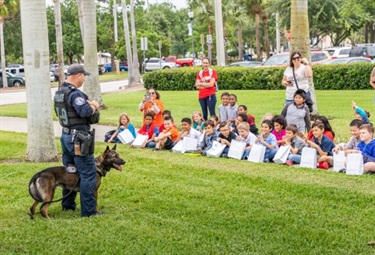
{"x": 158, "y": 64}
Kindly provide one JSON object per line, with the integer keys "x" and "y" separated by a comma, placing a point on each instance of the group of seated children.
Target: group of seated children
{"x": 286, "y": 129}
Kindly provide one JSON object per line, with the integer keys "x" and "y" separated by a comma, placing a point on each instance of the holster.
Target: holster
{"x": 86, "y": 141}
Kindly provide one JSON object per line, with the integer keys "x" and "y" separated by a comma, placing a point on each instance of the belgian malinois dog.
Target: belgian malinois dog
{"x": 43, "y": 184}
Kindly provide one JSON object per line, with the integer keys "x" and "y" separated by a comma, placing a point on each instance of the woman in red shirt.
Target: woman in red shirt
{"x": 206, "y": 84}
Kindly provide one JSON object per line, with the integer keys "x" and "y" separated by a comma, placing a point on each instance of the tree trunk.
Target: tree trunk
{"x": 135, "y": 62}
{"x": 41, "y": 145}
{"x": 209, "y": 47}
{"x": 59, "y": 42}
{"x": 266, "y": 37}
{"x": 300, "y": 40}
{"x": 257, "y": 39}
{"x": 91, "y": 85}
{"x": 80, "y": 17}
{"x": 3, "y": 61}
{"x": 240, "y": 44}
{"x": 131, "y": 78}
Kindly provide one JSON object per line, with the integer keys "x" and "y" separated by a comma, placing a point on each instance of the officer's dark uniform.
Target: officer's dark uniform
{"x": 74, "y": 114}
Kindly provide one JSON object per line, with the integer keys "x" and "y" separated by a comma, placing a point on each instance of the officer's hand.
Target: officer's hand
{"x": 93, "y": 103}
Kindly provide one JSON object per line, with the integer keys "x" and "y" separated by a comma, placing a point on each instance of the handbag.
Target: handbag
{"x": 216, "y": 150}
{"x": 309, "y": 157}
{"x": 257, "y": 153}
{"x": 125, "y": 136}
{"x": 139, "y": 140}
{"x": 282, "y": 155}
{"x": 308, "y": 100}
{"x": 339, "y": 161}
{"x": 354, "y": 164}
{"x": 236, "y": 149}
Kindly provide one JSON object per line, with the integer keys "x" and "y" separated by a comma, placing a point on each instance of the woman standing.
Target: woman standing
{"x": 151, "y": 103}
{"x": 296, "y": 76}
{"x": 206, "y": 84}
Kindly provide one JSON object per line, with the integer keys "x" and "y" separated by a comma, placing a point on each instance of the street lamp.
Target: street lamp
{"x": 191, "y": 17}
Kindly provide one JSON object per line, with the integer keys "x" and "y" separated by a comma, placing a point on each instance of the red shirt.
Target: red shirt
{"x": 203, "y": 93}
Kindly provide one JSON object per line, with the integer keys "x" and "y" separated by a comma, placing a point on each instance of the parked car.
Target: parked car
{"x": 13, "y": 80}
{"x": 367, "y": 51}
{"x": 246, "y": 63}
{"x": 108, "y": 67}
{"x": 348, "y": 60}
{"x": 18, "y": 70}
{"x": 338, "y": 52}
{"x": 282, "y": 59}
{"x": 157, "y": 64}
{"x": 52, "y": 77}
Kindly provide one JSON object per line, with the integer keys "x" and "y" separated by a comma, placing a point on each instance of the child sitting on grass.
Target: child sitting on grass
{"x": 165, "y": 114}
{"x": 150, "y": 129}
{"x": 296, "y": 144}
{"x": 246, "y": 136}
{"x": 169, "y": 137}
{"x": 188, "y": 130}
{"x": 366, "y": 147}
{"x": 361, "y": 114}
{"x": 250, "y": 119}
{"x": 123, "y": 124}
{"x": 225, "y": 137}
{"x": 268, "y": 140}
{"x": 198, "y": 121}
{"x": 279, "y": 125}
{"x": 210, "y": 135}
{"x": 323, "y": 145}
{"x": 354, "y": 139}
{"x": 328, "y": 132}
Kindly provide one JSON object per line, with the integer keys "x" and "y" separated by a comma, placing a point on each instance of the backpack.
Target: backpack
{"x": 210, "y": 73}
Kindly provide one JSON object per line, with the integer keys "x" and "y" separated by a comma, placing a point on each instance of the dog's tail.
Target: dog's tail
{"x": 33, "y": 188}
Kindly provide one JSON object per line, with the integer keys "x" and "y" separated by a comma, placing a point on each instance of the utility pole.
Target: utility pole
{"x": 277, "y": 33}
{"x": 115, "y": 20}
{"x": 219, "y": 34}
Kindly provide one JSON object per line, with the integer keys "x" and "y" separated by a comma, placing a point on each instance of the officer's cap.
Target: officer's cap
{"x": 76, "y": 69}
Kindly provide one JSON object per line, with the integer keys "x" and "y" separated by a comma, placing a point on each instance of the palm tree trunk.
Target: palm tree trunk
{"x": 240, "y": 44}
{"x": 266, "y": 37}
{"x": 257, "y": 39}
{"x": 135, "y": 64}
{"x": 59, "y": 42}
{"x": 91, "y": 85}
{"x": 129, "y": 57}
{"x": 299, "y": 25}
{"x": 3, "y": 62}
{"x": 41, "y": 145}
{"x": 80, "y": 17}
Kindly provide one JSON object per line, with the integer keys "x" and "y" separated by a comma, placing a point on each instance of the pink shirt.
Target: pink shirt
{"x": 280, "y": 135}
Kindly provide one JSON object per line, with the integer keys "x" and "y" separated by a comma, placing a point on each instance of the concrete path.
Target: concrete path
{"x": 19, "y": 125}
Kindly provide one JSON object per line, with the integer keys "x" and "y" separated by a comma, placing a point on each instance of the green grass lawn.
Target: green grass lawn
{"x": 336, "y": 105}
{"x": 166, "y": 203}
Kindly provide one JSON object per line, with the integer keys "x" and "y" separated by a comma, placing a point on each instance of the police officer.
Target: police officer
{"x": 75, "y": 113}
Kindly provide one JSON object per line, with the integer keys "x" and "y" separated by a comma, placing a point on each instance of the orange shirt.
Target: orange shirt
{"x": 175, "y": 135}
{"x": 158, "y": 118}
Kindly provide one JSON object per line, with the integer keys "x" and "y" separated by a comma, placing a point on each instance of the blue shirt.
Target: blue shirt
{"x": 326, "y": 145}
{"x": 208, "y": 140}
{"x": 367, "y": 150}
{"x": 271, "y": 140}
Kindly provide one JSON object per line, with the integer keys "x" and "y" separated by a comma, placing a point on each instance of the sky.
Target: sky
{"x": 178, "y": 3}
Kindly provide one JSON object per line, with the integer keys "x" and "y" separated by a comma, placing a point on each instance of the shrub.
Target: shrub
{"x": 335, "y": 77}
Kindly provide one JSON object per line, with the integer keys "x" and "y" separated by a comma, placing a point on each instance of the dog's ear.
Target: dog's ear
{"x": 106, "y": 149}
{"x": 114, "y": 147}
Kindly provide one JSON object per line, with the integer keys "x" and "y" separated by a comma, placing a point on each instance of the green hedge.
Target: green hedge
{"x": 342, "y": 76}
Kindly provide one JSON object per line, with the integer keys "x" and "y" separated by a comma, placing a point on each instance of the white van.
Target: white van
{"x": 16, "y": 70}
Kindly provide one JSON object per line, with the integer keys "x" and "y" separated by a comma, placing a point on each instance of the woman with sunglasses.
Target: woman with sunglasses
{"x": 296, "y": 76}
{"x": 151, "y": 103}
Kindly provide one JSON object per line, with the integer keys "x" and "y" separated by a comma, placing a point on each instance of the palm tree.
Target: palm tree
{"x": 237, "y": 13}
{"x": 131, "y": 78}
{"x": 91, "y": 86}
{"x": 59, "y": 41}
{"x": 299, "y": 25}
{"x": 135, "y": 62}
{"x": 41, "y": 145}
{"x": 5, "y": 9}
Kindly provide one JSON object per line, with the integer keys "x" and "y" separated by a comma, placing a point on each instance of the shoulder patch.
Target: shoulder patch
{"x": 79, "y": 101}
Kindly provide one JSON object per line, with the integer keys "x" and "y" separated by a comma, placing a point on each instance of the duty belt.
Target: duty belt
{"x": 70, "y": 131}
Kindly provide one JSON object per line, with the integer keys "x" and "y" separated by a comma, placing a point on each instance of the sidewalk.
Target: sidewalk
{"x": 19, "y": 125}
